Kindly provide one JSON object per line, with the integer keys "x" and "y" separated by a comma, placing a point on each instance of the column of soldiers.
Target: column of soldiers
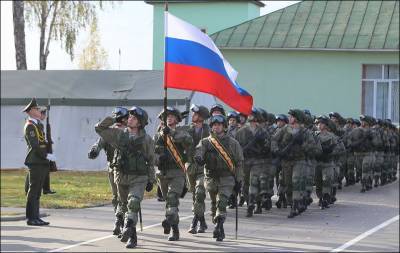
{"x": 235, "y": 155}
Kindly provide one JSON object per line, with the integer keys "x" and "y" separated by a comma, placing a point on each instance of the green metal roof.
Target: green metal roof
{"x": 324, "y": 25}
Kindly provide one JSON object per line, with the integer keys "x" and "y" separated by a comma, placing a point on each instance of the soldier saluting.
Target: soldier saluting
{"x": 135, "y": 172}
{"x": 37, "y": 160}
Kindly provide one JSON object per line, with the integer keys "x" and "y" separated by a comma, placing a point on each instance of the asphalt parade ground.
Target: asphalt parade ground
{"x": 356, "y": 222}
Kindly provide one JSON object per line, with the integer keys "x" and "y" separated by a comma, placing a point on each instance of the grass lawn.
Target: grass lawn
{"x": 75, "y": 189}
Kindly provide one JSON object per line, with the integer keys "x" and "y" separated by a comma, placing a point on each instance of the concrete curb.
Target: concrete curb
{"x": 20, "y": 217}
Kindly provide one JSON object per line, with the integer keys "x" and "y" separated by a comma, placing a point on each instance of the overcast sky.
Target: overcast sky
{"x": 133, "y": 37}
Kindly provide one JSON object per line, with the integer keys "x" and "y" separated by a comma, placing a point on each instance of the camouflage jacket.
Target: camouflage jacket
{"x": 136, "y": 153}
{"x": 215, "y": 166}
{"x": 255, "y": 144}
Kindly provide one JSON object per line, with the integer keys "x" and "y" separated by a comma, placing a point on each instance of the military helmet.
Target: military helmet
{"x": 282, "y": 117}
{"x": 298, "y": 114}
{"x": 263, "y": 113}
{"x": 234, "y": 115}
{"x": 332, "y": 126}
{"x": 120, "y": 113}
{"x": 218, "y": 119}
{"x": 271, "y": 118}
{"x": 173, "y": 111}
{"x": 334, "y": 114}
{"x": 140, "y": 114}
{"x": 307, "y": 112}
{"x": 255, "y": 115}
{"x": 322, "y": 119}
{"x": 368, "y": 119}
{"x": 350, "y": 121}
{"x": 217, "y": 107}
{"x": 357, "y": 122}
{"x": 201, "y": 110}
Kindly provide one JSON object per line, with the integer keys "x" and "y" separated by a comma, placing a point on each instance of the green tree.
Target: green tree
{"x": 93, "y": 56}
{"x": 61, "y": 21}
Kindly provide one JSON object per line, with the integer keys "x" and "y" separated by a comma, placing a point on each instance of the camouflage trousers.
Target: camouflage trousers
{"x": 349, "y": 170}
{"x": 358, "y": 158}
{"x": 246, "y": 179}
{"x": 310, "y": 174}
{"x": 195, "y": 182}
{"x": 286, "y": 186}
{"x": 114, "y": 189}
{"x": 219, "y": 189}
{"x": 324, "y": 177}
{"x": 130, "y": 193}
{"x": 171, "y": 183}
{"x": 368, "y": 165}
{"x": 300, "y": 168}
{"x": 341, "y": 168}
{"x": 394, "y": 160}
{"x": 378, "y": 163}
{"x": 259, "y": 183}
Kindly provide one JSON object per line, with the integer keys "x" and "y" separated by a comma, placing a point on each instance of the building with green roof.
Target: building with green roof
{"x": 320, "y": 55}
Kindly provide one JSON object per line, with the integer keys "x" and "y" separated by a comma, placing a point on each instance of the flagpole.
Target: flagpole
{"x": 165, "y": 66}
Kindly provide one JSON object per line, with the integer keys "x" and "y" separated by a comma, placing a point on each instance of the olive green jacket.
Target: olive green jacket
{"x": 37, "y": 145}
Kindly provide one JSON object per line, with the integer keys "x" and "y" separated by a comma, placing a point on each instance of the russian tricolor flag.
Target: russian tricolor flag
{"x": 193, "y": 62}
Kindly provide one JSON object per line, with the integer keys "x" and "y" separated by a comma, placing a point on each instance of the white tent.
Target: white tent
{"x": 79, "y": 99}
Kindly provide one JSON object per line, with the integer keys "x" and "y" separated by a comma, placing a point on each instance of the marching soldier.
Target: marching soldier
{"x": 121, "y": 117}
{"x": 350, "y": 160}
{"x": 233, "y": 123}
{"x": 223, "y": 159}
{"x": 171, "y": 157}
{"x": 379, "y": 147}
{"x": 281, "y": 121}
{"x": 195, "y": 174}
{"x": 134, "y": 164}
{"x": 37, "y": 161}
{"x": 255, "y": 143}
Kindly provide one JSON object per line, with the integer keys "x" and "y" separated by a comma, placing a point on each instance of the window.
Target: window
{"x": 380, "y": 91}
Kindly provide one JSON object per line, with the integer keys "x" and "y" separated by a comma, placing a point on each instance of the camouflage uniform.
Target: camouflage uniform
{"x": 134, "y": 171}
{"x": 195, "y": 179}
{"x": 171, "y": 177}
{"x": 255, "y": 143}
{"x": 219, "y": 179}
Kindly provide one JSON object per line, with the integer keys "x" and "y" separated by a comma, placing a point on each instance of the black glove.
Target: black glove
{"x": 149, "y": 186}
{"x": 237, "y": 187}
{"x": 199, "y": 160}
{"x": 166, "y": 130}
{"x": 92, "y": 154}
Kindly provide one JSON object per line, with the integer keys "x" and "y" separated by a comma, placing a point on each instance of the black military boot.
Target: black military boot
{"x": 241, "y": 201}
{"x": 267, "y": 204}
{"x": 301, "y": 206}
{"x": 250, "y": 210}
{"x": 167, "y": 227}
{"x": 203, "y": 225}
{"x": 325, "y": 201}
{"x": 193, "y": 226}
{"x": 127, "y": 231}
{"x": 320, "y": 202}
{"x": 119, "y": 222}
{"x": 132, "y": 242}
{"x": 376, "y": 180}
{"x": 259, "y": 208}
{"x": 332, "y": 199}
{"x": 175, "y": 233}
{"x": 232, "y": 201}
{"x": 309, "y": 199}
{"x": 220, "y": 235}
{"x": 280, "y": 200}
{"x": 339, "y": 185}
{"x": 284, "y": 202}
{"x": 294, "y": 210}
{"x": 363, "y": 186}
{"x": 383, "y": 179}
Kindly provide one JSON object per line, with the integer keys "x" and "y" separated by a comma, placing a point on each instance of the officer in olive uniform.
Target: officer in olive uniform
{"x": 170, "y": 159}
{"x": 134, "y": 164}
{"x": 195, "y": 174}
{"x": 37, "y": 161}
{"x": 223, "y": 159}
{"x": 121, "y": 117}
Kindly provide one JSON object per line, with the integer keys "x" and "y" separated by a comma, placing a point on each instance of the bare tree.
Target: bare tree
{"x": 19, "y": 34}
